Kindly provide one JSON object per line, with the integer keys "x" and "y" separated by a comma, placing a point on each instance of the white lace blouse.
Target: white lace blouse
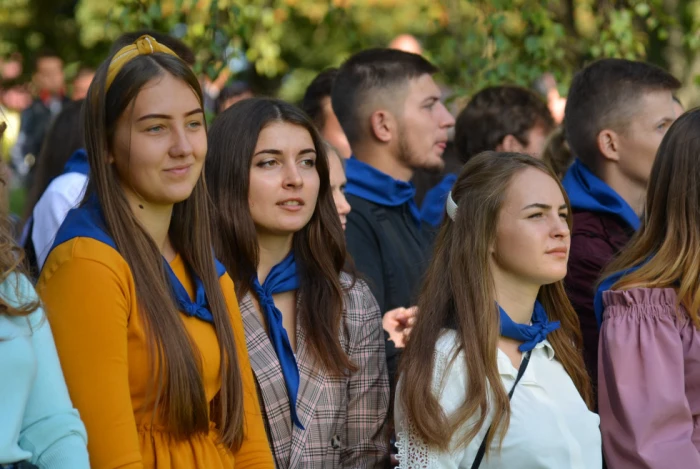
{"x": 550, "y": 425}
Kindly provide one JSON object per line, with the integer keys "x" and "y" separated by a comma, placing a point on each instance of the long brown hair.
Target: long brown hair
{"x": 319, "y": 248}
{"x": 667, "y": 246}
{"x": 458, "y": 291}
{"x": 180, "y": 396}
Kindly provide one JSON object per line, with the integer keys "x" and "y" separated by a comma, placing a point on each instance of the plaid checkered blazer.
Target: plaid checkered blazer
{"x": 344, "y": 417}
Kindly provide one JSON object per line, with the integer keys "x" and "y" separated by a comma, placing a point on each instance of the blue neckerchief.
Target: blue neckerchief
{"x": 282, "y": 278}
{"x": 77, "y": 163}
{"x": 588, "y": 192}
{"x": 87, "y": 222}
{"x": 371, "y": 184}
{"x": 606, "y": 285}
{"x": 433, "y": 209}
{"x": 530, "y": 335}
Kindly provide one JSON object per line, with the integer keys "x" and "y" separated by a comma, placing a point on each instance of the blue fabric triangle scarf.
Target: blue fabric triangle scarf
{"x": 87, "y": 221}
{"x": 282, "y": 278}
{"x": 532, "y": 334}
{"x": 588, "y": 192}
{"x": 368, "y": 183}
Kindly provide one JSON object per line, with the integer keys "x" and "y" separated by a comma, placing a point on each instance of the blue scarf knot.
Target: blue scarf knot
{"x": 532, "y": 334}
{"x": 369, "y": 183}
{"x": 282, "y": 278}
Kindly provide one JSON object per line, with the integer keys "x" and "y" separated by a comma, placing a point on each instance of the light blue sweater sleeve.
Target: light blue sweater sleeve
{"x": 51, "y": 428}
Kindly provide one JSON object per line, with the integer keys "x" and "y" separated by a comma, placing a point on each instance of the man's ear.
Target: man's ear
{"x": 383, "y": 125}
{"x": 510, "y": 144}
{"x": 609, "y": 144}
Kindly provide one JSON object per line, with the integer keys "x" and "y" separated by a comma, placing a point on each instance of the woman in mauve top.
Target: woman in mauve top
{"x": 146, "y": 321}
{"x": 649, "y": 356}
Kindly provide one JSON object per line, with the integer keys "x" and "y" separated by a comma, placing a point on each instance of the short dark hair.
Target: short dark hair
{"x": 176, "y": 45}
{"x": 319, "y": 89}
{"x": 364, "y": 75}
{"x": 603, "y": 95}
{"x": 498, "y": 111}
{"x": 45, "y": 54}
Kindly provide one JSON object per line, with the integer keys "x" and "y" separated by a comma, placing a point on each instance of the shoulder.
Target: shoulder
{"x": 358, "y": 298}
{"x": 17, "y": 291}
{"x": 68, "y": 186}
{"x": 98, "y": 256}
{"x": 641, "y": 302}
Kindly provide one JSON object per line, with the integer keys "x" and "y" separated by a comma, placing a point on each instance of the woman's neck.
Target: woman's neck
{"x": 156, "y": 221}
{"x": 516, "y": 297}
{"x": 272, "y": 250}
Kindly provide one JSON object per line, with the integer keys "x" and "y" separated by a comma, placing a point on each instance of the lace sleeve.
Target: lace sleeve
{"x": 413, "y": 452}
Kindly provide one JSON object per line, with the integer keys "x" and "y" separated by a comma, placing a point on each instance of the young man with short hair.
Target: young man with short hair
{"x": 617, "y": 113}
{"x": 391, "y": 112}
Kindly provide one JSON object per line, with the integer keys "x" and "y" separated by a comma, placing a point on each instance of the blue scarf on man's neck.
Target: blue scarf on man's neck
{"x": 282, "y": 278}
{"x": 369, "y": 183}
{"x": 588, "y": 192}
{"x": 532, "y": 334}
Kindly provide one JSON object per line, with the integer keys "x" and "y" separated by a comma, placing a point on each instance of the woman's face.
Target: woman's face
{"x": 338, "y": 182}
{"x": 532, "y": 234}
{"x": 160, "y": 143}
{"x": 284, "y": 182}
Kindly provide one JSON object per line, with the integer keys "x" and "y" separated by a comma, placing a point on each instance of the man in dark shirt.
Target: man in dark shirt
{"x": 617, "y": 112}
{"x": 389, "y": 107}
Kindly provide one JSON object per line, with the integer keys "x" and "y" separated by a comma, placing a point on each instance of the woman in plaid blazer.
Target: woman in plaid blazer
{"x": 314, "y": 332}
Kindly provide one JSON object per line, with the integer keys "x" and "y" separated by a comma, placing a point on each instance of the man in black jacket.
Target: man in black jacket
{"x": 389, "y": 107}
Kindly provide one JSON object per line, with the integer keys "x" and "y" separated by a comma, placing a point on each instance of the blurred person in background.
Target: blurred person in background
{"x": 498, "y": 118}
{"x": 50, "y": 97}
{"x": 317, "y": 104}
{"x": 231, "y": 94}
{"x": 59, "y": 184}
{"x": 81, "y": 83}
{"x": 557, "y": 153}
{"x": 546, "y": 86}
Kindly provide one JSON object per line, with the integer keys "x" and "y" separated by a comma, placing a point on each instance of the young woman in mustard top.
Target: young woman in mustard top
{"x": 145, "y": 320}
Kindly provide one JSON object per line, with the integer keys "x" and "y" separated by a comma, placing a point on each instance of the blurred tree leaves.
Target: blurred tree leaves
{"x": 475, "y": 42}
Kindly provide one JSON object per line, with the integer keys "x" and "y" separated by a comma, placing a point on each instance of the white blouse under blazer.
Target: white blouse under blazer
{"x": 550, "y": 425}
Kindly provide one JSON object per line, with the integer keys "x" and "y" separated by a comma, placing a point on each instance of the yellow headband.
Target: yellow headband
{"x": 143, "y": 46}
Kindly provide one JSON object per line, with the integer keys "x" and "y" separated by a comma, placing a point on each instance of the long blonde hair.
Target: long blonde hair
{"x": 667, "y": 246}
{"x": 458, "y": 292}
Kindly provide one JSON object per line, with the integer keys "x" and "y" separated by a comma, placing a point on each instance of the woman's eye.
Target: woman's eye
{"x": 155, "y": 129}
{"x": 565, "y": 216}
{"x": 536, "y": 215}
{"x": 266, "y": 164}
{"x": 194, "y": 125}
{"x": 309, "y": 163}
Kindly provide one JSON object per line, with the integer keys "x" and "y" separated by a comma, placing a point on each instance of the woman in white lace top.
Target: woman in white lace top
{"x": 493, "y": 368}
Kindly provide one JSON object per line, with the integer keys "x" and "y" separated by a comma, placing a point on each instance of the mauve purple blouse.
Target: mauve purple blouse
{"x": 648, "y": 381}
